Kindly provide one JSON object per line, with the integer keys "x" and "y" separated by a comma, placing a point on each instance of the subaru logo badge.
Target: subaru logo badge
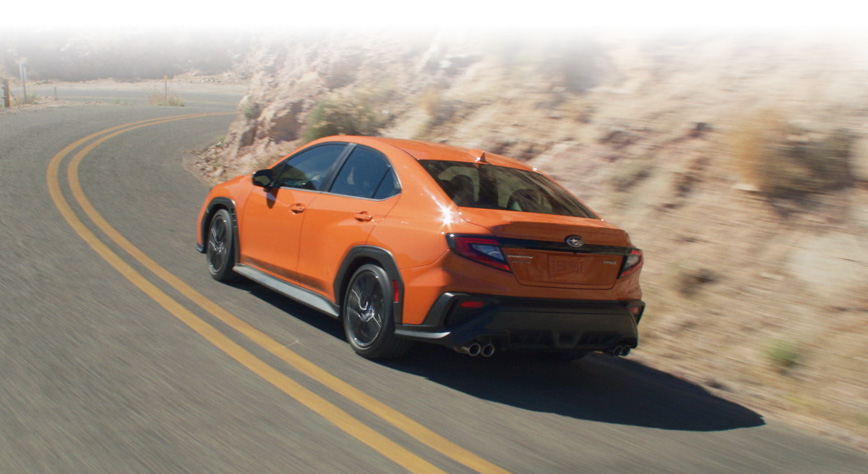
{"x": 575, "y": 241}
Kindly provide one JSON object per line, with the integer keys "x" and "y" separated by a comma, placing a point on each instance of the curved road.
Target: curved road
{"x": 120, "y": 354}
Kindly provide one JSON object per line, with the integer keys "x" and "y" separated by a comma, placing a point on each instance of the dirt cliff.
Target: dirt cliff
{"x": 739, "y": 163}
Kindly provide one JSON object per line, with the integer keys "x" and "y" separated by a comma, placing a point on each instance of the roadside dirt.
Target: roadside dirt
{"x": 756, "y": 270}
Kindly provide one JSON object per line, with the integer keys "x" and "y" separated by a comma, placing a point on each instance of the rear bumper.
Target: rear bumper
{"x": 531, "y": 324}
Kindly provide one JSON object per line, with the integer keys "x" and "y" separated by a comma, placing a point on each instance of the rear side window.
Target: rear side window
{"x": 497, "y": 187}
{"x": 309, "y": 168}
{"x": 366, "y": 173}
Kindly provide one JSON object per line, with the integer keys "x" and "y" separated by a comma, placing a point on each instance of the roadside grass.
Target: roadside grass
{"x": 29, "y": 99}
{"x": 165, "y": 99}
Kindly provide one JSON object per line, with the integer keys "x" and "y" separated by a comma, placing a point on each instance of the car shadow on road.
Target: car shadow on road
{"x": 293, "y": 309}
{"x": 597, "y": 388}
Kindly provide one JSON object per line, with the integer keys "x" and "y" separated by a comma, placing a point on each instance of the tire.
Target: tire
{"x": 367, "y": 315}
{"x": 221, "y": 248}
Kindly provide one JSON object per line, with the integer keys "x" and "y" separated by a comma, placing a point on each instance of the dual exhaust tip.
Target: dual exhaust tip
{"x": 619, "y": 351}
{"x": 474, "y": 349}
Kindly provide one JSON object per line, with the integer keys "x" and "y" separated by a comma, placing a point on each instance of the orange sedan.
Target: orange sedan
{"x": 411, "y": 241}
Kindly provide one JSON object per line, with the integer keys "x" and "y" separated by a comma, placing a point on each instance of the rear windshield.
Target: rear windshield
{"x": 496, "y": 187}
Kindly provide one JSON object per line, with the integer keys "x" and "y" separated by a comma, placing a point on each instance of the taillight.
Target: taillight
{"x": 481, "y": 249}
{"x": 632, "y": 263}
{"x": 471, "y": 304}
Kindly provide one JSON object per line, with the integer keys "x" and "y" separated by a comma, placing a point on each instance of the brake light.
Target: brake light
{"x": 481, "y": 249}
{"x": 632, "y": 263}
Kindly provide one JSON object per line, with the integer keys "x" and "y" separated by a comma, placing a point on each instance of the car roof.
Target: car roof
{"x": 421, "y": 150}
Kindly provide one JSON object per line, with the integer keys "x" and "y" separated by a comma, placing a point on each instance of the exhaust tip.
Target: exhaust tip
{"x": 473, "y": 349}
{"x": 488, "y": 350}
{"x": 619, "y": 351}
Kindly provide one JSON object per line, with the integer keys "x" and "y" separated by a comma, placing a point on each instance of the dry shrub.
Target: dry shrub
{"x": 341, "y": 116}
{"x": 689, "y": 281}
{"x": 633, "y": 172}
{"x": 251, "y": 110}
{"x": 750, "y": 141}
{"x": 783, "y": 160}
{"x": 431, "y": 100}
{"x": 439, "y": 110}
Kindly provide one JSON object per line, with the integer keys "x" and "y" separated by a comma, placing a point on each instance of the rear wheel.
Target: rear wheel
{"x": 221, "y": 247}
{"x": 367, "y": 315}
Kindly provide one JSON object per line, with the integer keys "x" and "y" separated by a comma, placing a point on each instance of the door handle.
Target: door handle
{"x": 363, "y": 216}
{"x": 296, "y": 208}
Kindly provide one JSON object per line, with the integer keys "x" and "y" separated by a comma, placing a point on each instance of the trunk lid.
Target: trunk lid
{"x": 537, "y": 249}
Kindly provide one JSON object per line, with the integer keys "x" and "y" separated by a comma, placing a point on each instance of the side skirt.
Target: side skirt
{"x": 297, "y": 293}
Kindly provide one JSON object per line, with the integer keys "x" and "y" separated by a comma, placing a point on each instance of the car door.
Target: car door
{"x": 273, "y": 216}
{"x": 363, "y": 192}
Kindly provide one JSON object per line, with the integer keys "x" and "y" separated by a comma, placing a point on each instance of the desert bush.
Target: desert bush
{"x": 632, "y": 172}
{"x": 689, "y": 280}
{"x": 750, "y": 140}
{"x": 439, "y": 110}
{"x": 783, "y": 354}
{"x": 430, "y": 100}
{"x": 780, "y": 159}
{"x": 341, "y": 116}
{"x": 252, "y": 110}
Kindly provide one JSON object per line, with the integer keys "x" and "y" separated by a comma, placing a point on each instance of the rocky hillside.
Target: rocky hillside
{"x": 738, "y": 163}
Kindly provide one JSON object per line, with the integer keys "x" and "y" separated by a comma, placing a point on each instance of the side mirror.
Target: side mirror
{"x": 263, "y": 178}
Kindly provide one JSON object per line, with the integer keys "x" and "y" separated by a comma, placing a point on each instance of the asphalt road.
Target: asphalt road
{"x": 120, "y": 354}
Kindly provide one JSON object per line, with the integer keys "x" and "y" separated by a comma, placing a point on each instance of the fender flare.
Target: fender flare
{"x": 358, "y": 256}
{"x": 214, "y": 206}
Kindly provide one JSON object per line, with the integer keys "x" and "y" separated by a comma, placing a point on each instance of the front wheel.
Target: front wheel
{"x": 367, "y": 315}
{"x": 221, "y": 247}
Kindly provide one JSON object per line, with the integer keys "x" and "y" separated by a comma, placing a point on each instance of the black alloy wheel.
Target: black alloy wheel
{"x": 221, "y": 247}
{"x": 367, "y": 315}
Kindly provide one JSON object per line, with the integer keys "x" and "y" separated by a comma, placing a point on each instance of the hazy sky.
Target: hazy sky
{"x": 832, "y": 15}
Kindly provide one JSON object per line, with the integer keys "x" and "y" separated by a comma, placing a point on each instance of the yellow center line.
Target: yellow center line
{"x": 306, "y": 367}
{"x": 317, "y": 404}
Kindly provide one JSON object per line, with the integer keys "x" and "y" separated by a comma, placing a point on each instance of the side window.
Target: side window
{"x": 310, "y": 168}
{"x": 389, "y": 186}
{"x": 367, "y": 174}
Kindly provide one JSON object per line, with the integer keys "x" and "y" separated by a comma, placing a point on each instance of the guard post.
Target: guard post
{"x": 7, "y": 98}
{"x": 22, "y": 67}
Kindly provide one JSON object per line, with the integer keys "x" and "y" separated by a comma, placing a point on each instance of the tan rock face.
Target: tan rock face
{"x": 860, "y": 160}
{"x": 281, "y": 120}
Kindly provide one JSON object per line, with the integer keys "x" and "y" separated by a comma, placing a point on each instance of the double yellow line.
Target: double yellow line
{"x": 317, "y": 404}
